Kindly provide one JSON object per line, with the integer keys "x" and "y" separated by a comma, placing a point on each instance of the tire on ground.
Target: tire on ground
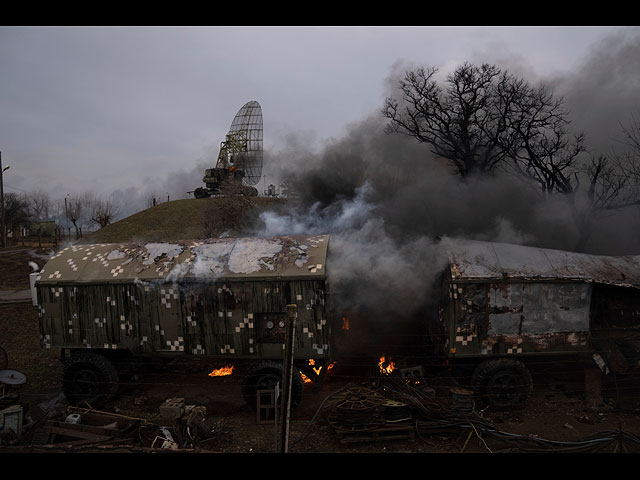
{"x": 502, "y": 383}
{"x": 89, "y": 377}
{"x": 264, "y": 376}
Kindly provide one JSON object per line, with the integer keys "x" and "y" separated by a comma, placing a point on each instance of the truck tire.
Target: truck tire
{"x": 502, "y": 383}
{"x": 264, "y": 376}
{"x": 89, "y": 377}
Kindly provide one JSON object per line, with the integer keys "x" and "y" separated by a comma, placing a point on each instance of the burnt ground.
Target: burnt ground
{"x": 557, "y": 417}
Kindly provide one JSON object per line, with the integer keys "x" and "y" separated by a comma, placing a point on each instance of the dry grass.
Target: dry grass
{"x": 186, "y": 219}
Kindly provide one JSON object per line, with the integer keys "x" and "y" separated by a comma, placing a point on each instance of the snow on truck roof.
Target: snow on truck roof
{"x": 292, "y": 256}
{"x": 478, "y": 260}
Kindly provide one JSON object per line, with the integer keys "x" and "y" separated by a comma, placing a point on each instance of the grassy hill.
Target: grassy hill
{"x": 187, "y": 219}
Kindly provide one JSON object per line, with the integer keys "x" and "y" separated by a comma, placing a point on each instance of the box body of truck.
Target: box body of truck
{"x": 224, "y": 298}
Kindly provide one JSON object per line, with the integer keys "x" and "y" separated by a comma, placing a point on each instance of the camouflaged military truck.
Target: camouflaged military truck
{"x": 113, "y": 307}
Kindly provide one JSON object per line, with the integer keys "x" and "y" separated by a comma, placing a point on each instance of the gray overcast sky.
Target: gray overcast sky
{"x": 105, "y": 108}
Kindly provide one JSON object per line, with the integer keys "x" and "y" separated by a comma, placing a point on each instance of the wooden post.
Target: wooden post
{"x": 287, "y": 376}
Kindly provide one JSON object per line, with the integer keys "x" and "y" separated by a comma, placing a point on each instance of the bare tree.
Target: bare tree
{"x": 487, "y": 119}
{"x": 75, "y": 209}
{"x": 40, "y": 207}
{"x": 629, "y": 160}
{"x": 103, "y": 212}
{"x": 593, "y": 185}
{"x": 467, "y": 123}
{"x": 613, "y": 183}
{"x": 16, "y": 212}
{"x": 539, "y": 145}
{"x": 40, "y": 204}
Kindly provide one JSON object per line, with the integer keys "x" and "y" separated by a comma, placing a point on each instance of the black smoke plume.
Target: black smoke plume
{"x": 386, "y": 200}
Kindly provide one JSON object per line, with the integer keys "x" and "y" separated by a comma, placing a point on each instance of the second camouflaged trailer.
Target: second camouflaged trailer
{"x": 504, "y": 308}
{"x": 109, "y": 307}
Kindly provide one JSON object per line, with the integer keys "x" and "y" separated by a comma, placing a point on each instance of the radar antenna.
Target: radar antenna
{"x": 239, "y": 164}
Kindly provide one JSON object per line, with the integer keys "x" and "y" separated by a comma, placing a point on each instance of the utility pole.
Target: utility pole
{"x": 2, "y": 222}
{"x": 66, "y": 215}
{"x": 287, "y": 376}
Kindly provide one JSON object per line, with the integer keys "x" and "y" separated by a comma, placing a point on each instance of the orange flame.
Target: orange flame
{"x": 317, "y": 370}
{"x": 345, "y": 323}
{"x": 312, "y": 362}
{"x": 386, "y": 366}
{"x": 221, "y": 372}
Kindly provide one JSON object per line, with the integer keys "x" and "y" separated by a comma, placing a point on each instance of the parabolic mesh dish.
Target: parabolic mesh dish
{"x": 248, "y": 120}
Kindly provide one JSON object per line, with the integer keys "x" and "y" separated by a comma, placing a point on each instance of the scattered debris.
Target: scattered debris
{"x": 167, "y": 440}
{"x": 78, "y": 426}
{"x": 172, "y": 410}
{"x": 586, "y": 419}
{"x": 188, "y": 423}
{"x": 462, "y": 399}
{"x": 56, "y": 402}
{"x": 11, "y": 425}
{"x": 11, "y": 382}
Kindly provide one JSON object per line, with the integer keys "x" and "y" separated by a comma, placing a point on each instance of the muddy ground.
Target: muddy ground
{"x": 558, "y": 417}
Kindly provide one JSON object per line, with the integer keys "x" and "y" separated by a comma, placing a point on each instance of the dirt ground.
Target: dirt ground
{"x": 557, "y": 411}
{"x": 557, "y": 418}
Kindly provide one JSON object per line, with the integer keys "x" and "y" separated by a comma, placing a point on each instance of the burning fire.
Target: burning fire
{"x": 345, "y": 323}
{"x": 312, "y": 362}
{"x": 386, "y": 366}
{"x": 221, "y": 372}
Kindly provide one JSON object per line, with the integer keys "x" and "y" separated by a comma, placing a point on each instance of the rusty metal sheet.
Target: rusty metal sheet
{"x": 520, "y": 317}
{"x": 538, "y": 308}
{"x": 486, "y": 261}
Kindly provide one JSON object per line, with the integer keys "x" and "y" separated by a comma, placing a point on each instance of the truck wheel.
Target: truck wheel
{"x": 264, "y": 376}
{"x": 89, "y": 377}
{"x": 503, "y": 383}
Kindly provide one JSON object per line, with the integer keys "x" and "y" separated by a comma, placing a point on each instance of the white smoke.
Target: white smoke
{"x": 367, "y": 267}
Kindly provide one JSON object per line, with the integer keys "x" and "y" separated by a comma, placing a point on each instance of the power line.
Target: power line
{"x": 15, "y": 188}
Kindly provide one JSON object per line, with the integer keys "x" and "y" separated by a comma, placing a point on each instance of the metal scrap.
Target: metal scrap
{"x": 79, "y": 426}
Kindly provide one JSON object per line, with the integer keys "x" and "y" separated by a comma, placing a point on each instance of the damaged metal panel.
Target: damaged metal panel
{"x": 538, "y": 308}
{"x": 517, "y": 318}
{"x": 220, "y": 258}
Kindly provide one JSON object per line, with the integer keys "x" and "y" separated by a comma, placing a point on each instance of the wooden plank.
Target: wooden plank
{"x": 77, "y": 434}
{"x": 81, "y": 427}
{"x": 41, "y": 436}
{"x": 378, "y": 434}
